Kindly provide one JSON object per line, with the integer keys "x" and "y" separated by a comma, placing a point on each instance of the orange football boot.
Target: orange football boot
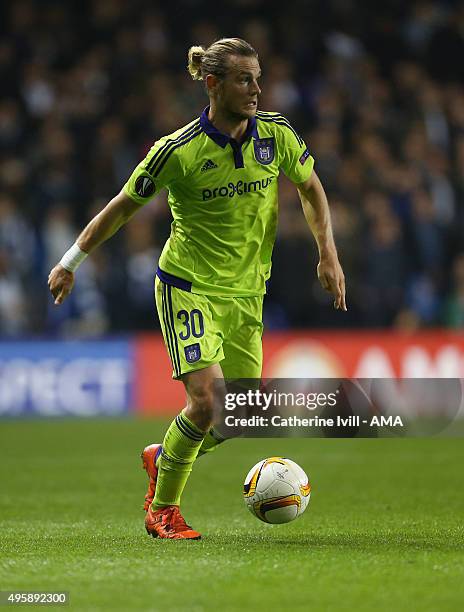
{"x": 149, "y": 456}
{"x": 168, "y": 522}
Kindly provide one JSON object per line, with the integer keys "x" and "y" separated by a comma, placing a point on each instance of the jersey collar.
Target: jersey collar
{"x": 223, "y": 139}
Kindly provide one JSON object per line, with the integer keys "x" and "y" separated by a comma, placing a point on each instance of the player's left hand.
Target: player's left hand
{"x": 332, "y": 279}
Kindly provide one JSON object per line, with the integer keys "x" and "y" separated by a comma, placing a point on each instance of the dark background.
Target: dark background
{"x": 376, "y": 91}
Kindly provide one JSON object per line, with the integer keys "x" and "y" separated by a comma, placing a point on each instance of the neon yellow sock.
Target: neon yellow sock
{"x": 181, "y": 444}
{"x": 209, "y": 444}
{"x": 211, "y": 441}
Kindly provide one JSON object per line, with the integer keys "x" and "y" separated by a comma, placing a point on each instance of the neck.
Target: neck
{"x": 233, "y": 126}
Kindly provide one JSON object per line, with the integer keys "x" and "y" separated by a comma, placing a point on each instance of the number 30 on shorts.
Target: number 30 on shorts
{"x": 193, "y": 323}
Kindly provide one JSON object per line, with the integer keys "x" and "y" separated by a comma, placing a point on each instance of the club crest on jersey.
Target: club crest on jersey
{"x": 144, "y": 186}
{"x": 192, "y": 353}
{"x": 264, "y": 150}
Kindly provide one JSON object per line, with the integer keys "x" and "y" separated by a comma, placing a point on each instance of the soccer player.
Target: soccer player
{"x": 221, "y": 174}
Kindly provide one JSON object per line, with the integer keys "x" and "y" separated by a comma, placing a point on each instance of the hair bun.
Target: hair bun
{"x": 195, "y": 55}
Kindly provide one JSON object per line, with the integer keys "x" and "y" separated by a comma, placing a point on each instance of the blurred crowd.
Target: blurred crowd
{"x": 376, "y": 92}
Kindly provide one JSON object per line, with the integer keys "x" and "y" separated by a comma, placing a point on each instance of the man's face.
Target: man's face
{"x": 237, "y": 94}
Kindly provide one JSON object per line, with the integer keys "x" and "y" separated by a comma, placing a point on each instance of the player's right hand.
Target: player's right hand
{"x": 60, "y": 282}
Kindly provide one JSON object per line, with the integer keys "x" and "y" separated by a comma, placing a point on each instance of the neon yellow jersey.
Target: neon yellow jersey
{"x": 223, "y": 198}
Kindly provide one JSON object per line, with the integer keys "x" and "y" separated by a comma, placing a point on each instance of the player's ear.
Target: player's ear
{"x": 212, "y": 83}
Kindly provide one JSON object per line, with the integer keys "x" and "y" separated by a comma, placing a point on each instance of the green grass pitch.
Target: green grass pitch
{"x": 383, "y": 530}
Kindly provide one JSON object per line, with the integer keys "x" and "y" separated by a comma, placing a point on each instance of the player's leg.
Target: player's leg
{"x": 243, "y": 358}
{"x": 195, "y": 347}
{"x": 179, "y": 451}
{"x": 151, "y": 455}
{"x": 190, "y": 325}
{"x": 241, "y": 321}
{"x": 211, "y": 441}
{"x": 241, "y": 324}
{"x": 242, "y": 346}
{"x": 185, "y": 435}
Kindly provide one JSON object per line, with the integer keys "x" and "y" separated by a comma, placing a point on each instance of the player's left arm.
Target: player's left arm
{"x": 317, "y": 214}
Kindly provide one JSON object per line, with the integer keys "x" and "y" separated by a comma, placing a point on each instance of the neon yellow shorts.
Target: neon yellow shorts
{"x": 200, "y": 330}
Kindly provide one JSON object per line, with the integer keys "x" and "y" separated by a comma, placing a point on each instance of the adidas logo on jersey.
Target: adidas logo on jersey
{"x": 208, "y": 165}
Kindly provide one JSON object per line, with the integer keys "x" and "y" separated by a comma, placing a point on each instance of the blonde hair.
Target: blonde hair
{"x": 214, "y": 59}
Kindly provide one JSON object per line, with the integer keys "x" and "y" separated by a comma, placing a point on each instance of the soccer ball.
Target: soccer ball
{"x": 276, "y": 490}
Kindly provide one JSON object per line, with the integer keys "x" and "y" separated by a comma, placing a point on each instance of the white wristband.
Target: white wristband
{"x": 73, "y": 258}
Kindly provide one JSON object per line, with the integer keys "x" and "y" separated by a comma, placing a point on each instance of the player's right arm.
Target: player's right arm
{"x": 116, "y": 213}
{"x": 159, "y": 169}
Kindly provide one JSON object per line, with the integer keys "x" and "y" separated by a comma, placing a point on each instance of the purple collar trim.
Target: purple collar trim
{"x": 223, "y": 139}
